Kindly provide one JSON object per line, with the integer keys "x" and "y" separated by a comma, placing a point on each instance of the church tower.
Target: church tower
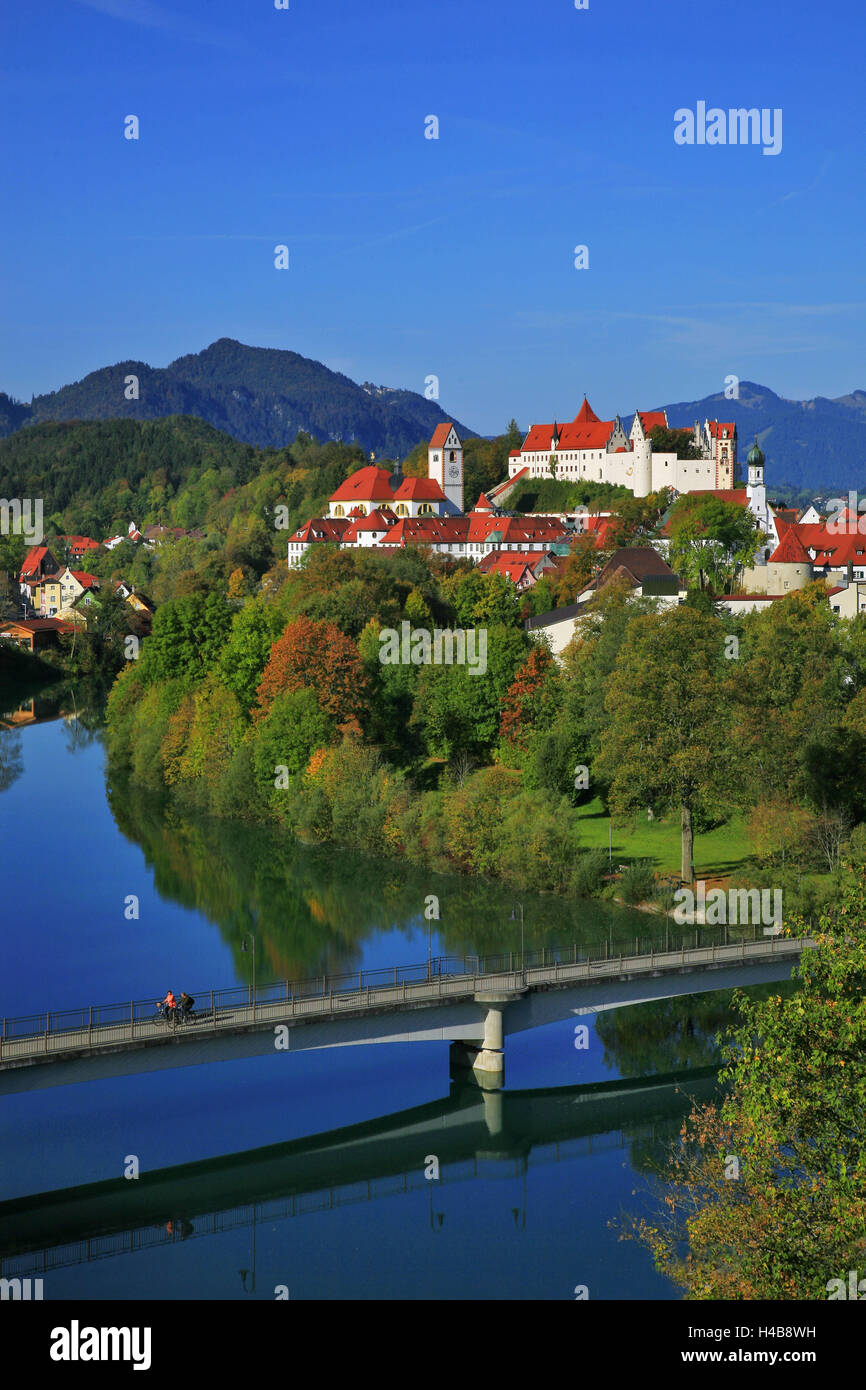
{"x": 445, "y": 464}
{"x": 755, "y": 460}
{"x": 756, "y": 492}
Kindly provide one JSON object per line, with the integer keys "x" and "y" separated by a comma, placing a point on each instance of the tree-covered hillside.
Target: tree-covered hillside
{"x": 262, "y": 396}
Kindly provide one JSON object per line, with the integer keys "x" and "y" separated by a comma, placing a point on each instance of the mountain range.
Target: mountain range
{"x": 817, "y": 445}
{"x": 264, "y": 396}
{"x": 261, "y": 396}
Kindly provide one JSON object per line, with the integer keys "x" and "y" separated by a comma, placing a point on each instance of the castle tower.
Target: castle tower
{"x": 642, "y": 459}
{"x": 445, "y": 463}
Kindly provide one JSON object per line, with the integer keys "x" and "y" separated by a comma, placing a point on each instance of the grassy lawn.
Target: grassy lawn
{"x": 718, "y": 853}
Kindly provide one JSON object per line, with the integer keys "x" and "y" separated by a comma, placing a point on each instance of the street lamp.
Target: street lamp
{"x": 514, "y": 919}
{"x": 244, "y": 947}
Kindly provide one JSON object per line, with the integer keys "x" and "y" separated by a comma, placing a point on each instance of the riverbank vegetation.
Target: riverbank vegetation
{"x": 764, "y": 1195}
{"x": 276, "y": 707}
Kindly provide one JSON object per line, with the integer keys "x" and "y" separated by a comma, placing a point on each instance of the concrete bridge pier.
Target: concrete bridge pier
{"x": 487, "y": 1061}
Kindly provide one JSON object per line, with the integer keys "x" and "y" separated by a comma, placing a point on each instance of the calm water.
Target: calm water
{"x": 529, "y": 1181}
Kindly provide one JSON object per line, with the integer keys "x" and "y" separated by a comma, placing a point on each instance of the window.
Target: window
{"x": 402, "y": 509}
{"x": 338, "y": 510}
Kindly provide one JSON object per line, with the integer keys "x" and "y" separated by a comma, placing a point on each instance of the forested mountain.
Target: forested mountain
{"x": 96, "y": 474}
{"x": 261, "y": 396}
{"x": 265, "y": 396}
{"x": 817, "y": 444}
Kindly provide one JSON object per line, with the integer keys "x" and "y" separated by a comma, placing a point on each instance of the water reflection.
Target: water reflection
{"x": 478, "y": 1138}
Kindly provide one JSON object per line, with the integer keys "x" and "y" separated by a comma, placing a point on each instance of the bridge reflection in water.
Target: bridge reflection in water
{"x": 474, "y": 1134}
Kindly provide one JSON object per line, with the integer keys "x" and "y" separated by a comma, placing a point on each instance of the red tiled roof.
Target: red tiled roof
{"x": 419, "y": 490}
{"x": 586, "y": 415}
{"x": 41, "y": 624}
{"x": 372, "y": 484}
{"x": 790, "y": 550}
{"x": 366, "y": 485}
{"x": 716, "y": 427}
{"x": 728, "y": 494}
{"x": 511, "y": 566}
{"x": 33, "y": 559}
{"x": 650, "y": 419}
{"x": 842, "y": 550}
{"x": 532, "y": 558}
{"x": 87, "y": 581}
{"x": 80, "y": 542}
{"x": 440, "y": 434}
{"x": 571, "y": 437}
{"x": 493, "y": 492}
{"x": 329, "y": 529}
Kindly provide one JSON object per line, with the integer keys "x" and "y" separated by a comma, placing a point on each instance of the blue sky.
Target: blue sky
{"x": 454, "y": 256}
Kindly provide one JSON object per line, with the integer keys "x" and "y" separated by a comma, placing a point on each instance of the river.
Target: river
{"x": 338, "y": 1205}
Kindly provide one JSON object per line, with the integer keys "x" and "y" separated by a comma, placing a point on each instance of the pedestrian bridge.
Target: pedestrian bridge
{"x": 471, "y": 1002}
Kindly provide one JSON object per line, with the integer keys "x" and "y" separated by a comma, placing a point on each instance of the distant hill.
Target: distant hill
{"x": 96, "y": 476}
{"x": 817, "y": 444}
{"x": 265, "y": 396}
{"x": 261, "y": 396}
{"x": 97, "y": 471}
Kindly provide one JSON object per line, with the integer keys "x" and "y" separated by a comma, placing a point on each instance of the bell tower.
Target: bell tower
{"x": 755, "y": 460}
{"x": 445, "y": 465}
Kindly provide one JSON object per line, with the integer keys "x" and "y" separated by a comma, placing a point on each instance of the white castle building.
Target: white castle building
{"x": 600, "y": 451}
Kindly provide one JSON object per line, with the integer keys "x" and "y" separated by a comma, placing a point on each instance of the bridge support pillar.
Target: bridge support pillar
{"x": 487, "y": 1062}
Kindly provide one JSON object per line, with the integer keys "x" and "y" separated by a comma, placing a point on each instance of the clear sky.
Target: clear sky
{"x": 454, "y": 257}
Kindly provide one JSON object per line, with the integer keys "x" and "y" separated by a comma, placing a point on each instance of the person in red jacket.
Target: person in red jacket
{"x": 170, "y": 1004}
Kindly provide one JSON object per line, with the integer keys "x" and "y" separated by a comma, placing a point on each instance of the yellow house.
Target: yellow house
{"x": 48, "y": 597}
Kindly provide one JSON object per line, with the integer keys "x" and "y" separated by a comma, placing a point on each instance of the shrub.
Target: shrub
{"x": 589, "y": 873}
{"x": 638, "y": 883}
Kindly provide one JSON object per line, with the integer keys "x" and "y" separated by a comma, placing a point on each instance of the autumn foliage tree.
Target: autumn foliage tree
{"x": 316, "y": 655}
{"x": 527, "y": 698}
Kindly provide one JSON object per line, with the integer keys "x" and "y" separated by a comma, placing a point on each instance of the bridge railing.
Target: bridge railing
{"x": 215, "y": 1005}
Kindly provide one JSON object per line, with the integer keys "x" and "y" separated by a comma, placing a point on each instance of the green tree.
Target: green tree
{"x": 458, "y": 711}
{"x": 680, "y": 442}
{"x": 792, "y": 1219}
{"x": 293, "y": 727}
{"x": 188, "y": 635}
{"x": 667, "y": 742}
{"x": 245, "y": 655}
{"x": 712, "y": 540}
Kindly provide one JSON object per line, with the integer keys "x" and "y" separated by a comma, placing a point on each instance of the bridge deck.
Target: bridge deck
{"x": 25, "y": 1043}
